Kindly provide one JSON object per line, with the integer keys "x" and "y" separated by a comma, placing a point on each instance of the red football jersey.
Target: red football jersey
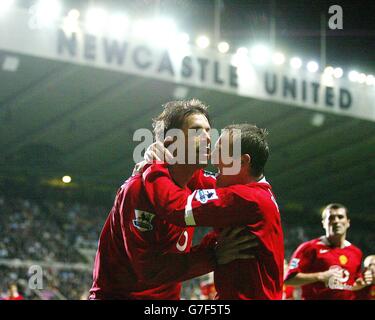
{"x": 19, "y": 297}
{"x": 317, "y": 256}
{"x": 252, "y": 204}
{"x": 367, "y": 293}
{"x": 141, "y": 256}
{"x": 288, "y": 292}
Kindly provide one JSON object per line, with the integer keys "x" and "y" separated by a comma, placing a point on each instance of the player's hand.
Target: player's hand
{"x": 158, "y": 151}
{"x": 326, "y": 275}
{"x": 359, "y": 284}
{"x": 231, "y": 245}
{"x": 368, "y": 277}
{"x": 139, "y": 167}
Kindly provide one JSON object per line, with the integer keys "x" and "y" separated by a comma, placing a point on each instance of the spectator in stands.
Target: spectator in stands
{"x": 50, "y": 231}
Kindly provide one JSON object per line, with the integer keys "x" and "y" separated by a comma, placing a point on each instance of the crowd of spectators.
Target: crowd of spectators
{"x": 53, "y": 233}
{"x": 50, "y": 232}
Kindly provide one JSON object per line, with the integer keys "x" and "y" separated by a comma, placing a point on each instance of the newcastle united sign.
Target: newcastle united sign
{"x": 191, "y": 66}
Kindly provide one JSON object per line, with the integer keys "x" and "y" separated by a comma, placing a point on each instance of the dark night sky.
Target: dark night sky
{"x": 244, "y": 22}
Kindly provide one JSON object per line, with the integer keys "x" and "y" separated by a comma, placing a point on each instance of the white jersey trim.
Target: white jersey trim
{"x": 263, "y": 180}
{"x": 347, "y": 243}
{"x": 189, "y": 217}
{"x": 324, "y": 240}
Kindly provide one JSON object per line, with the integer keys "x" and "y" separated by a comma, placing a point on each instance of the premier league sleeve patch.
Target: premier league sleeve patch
{"x": 204, "y": 195}
{"x": 294, "y": 263}
{"x": 143, "y": 220}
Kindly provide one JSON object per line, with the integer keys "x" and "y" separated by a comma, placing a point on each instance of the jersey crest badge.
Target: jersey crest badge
{"x": 343, "y": 259}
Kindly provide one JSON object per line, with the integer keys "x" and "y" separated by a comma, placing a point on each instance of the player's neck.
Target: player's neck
{"x": 256, "y": 179}
{"x": 181, "y": 174}
{"x": 337, "y": 241}
{"x": 246, "y": 178}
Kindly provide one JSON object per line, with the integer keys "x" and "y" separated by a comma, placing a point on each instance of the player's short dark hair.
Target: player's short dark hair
{"x": 174, "y": 114}
{"x": 254, "y": 143}
{"x": 334, "y": 206}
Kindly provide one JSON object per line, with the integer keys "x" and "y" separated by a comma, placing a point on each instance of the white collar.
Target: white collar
{"x": 263, "y": 180}
{"x": 326, "y": 242}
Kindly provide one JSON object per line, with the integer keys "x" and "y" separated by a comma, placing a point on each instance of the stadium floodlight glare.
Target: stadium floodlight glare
{"x": 370, "y": 80}
{"x": 278, "y": 58}
{"x": 141, "y": 28}
{"x": 327, "y": 79}
{"x": 180, "y": 92}
{"x": 46, "y": 12}
{"x": 179, "y": 47}
{"x": 162, "y": 32}
{"x": 259, "y": 54}
{"x": 5, "y": 5}
{"x": 242, "y": 51}
{"x": 71, "y": 22}
{"x": 338, "y": 73}
{"x": 362, "y": 78}
{"x": 118, "y": 25}
{"x": 96, "y": 20}
{"x": 74, "y": 14}
{"x": 203, "y": 42}
{"x": 312, "y": 66}
{"x": 353, "y": 76}
{"x": 318, "y": 119}
{"x": 10, "y": 63}
{"x": 329, "y": 70}
{"x": 183, "y": 38}
{"x": 66, "y": 179}
{"x": 240, "y": 59}
{"x": 295, "y": 63}
{"x": 223, "y": 47}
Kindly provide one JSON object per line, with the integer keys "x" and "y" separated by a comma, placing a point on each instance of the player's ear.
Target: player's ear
{"x": 323, "y": 224}
{"x": 246, "y": 162}
{"x": 245, "y": 159}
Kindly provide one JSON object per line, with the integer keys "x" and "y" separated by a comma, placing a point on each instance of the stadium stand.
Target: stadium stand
{"x": 62, "y": 239}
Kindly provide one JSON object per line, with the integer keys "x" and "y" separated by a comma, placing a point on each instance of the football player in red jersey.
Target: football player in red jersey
{"x": 328, "y": 267}
{"x": 13, "y": 293}
{"x": 140, "y": 255}
{"x": 244, "y": 199}
{"x": 368, "y": 293}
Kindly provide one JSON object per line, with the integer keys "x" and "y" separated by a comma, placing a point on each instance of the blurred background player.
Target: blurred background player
{"x": 368, "y": 293}
{"x": 328, "y": 267}
{"x": 13, "y": 293}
